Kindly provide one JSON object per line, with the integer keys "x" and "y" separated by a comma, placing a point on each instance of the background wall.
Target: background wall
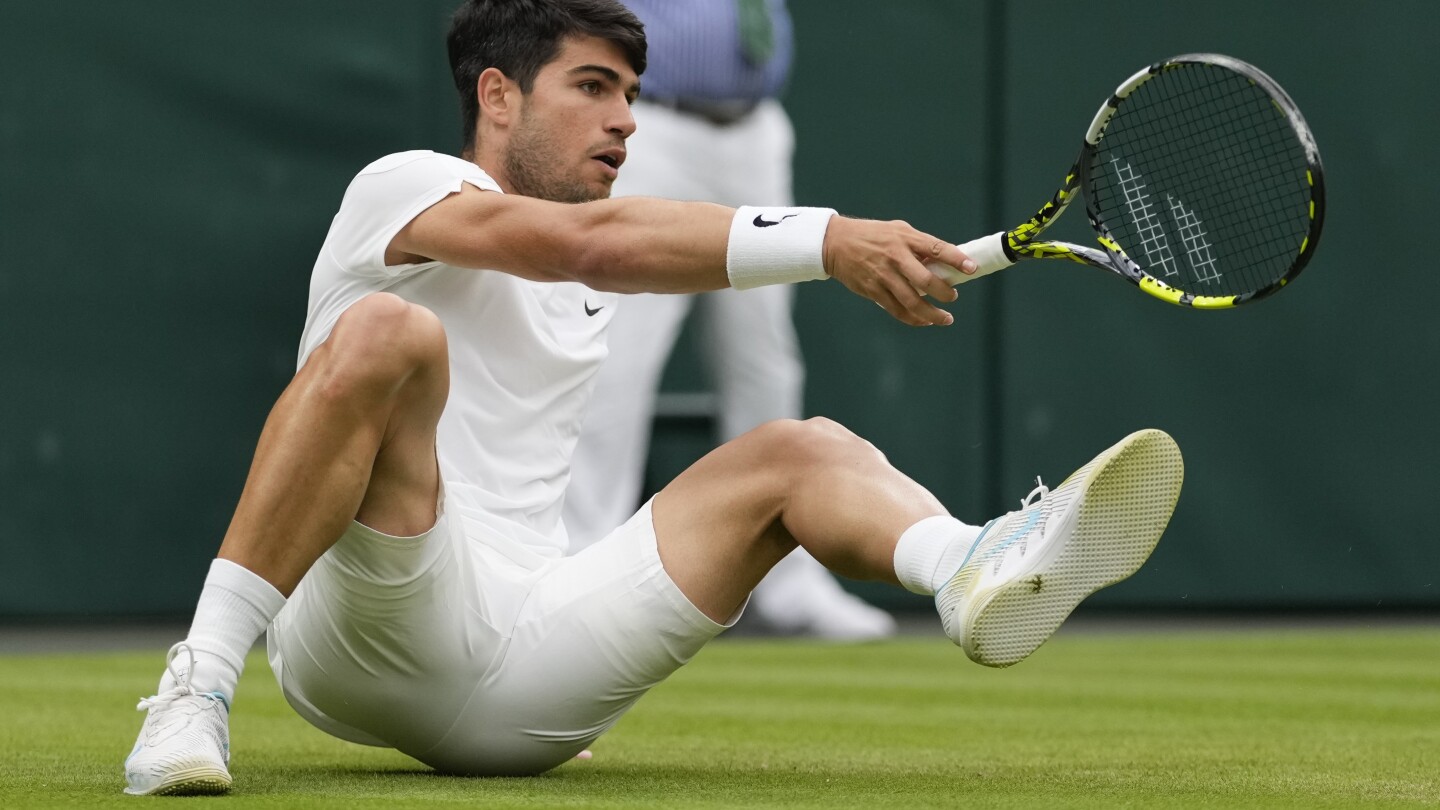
{"x": 168, "y": 170}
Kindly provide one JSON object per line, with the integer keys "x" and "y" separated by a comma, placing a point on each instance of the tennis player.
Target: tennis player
{"x": 399, "y": 533}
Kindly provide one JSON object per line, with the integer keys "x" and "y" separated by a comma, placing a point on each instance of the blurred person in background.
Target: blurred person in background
{"x": 710, "y": 128}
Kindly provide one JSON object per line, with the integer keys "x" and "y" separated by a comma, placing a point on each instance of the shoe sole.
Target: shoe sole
{"x": 200, "y": 781}
{"x": 1127, "y": 496}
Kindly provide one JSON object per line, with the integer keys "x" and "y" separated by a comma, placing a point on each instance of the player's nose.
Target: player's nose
{"x": 621, "y": 120}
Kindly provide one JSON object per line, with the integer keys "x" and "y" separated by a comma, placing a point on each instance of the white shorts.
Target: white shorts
{"x": 473, "y": 659}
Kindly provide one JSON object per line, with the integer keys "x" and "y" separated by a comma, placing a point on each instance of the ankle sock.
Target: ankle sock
{"x": 236, "y": 605}
{"x": 930, "y": 552}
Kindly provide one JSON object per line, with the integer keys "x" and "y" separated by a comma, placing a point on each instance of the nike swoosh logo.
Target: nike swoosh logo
{"x": 591, "y": 312}
{"x": 761, "y": 222}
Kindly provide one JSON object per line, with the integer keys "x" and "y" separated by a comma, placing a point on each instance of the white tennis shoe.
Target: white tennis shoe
{"x": 1028, "y": 570}
{"x": 184, "y": 746}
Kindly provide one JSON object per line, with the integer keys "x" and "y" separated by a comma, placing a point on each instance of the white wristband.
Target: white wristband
{"x": 776, "y": 246}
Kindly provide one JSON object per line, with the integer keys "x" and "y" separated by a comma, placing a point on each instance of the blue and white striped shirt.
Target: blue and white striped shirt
{"x": 696, "y": 53}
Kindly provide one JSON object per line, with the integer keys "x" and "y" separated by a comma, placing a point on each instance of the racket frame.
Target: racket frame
{"x": 1021, "y": 243}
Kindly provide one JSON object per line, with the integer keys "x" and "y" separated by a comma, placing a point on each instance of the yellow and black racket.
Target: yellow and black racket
{"x": 1201, "y": 180}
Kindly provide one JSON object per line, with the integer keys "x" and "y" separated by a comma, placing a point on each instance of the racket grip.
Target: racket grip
{"x": 987, "y": 251}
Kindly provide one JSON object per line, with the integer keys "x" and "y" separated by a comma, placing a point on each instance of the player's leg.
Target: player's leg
{"x": 607, "y": 470}
{"x": 595, "y": 631}
{"x": 753, "y": 353}
{"x": 725, "y": 521}
{"x": 602, "y": 627}
{"x": 352, "y": 436}
{"x": 598, "y": 629}
{"x": 1002, "y": 589}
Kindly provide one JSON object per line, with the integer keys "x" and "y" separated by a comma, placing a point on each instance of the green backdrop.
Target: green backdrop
{"x": 168, "y": 169}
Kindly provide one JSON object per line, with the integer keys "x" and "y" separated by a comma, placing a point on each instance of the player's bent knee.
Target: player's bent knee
{"x": 379, "y": 341}
{"x": 383, "y": 329}
{"x": 837, "y": 438}
{"x": 812, "y": 441}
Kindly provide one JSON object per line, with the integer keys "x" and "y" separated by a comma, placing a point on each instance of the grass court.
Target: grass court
{"x": 1302, "y": 718}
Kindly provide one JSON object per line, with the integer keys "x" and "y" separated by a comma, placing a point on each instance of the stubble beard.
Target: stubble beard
{"x": 532, "y": 165}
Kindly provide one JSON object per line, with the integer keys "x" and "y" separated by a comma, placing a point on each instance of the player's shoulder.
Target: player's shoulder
{"x": 426, "y": 165}
{"x": 398, "y": 161}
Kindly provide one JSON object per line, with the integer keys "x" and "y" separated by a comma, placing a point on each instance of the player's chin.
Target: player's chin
{"x": 582, "y": 186}
{"x": 599, "y": 190}
{"x": 580, "y": 191}
{"x": 601, "y": 175}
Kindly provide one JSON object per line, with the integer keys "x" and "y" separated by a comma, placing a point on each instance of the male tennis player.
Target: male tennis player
{"x": 399, "y": 531}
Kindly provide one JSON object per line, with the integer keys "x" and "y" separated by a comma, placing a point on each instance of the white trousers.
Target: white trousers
{"x": 749, "y": 347}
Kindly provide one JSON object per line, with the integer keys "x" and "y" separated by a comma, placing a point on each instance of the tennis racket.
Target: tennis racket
{"x": 1201, "y": 180}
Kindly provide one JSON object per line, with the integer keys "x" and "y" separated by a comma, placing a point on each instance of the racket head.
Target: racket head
{"x": 1203, "y": 183}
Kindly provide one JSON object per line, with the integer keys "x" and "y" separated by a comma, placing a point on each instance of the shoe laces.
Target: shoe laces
{"x": 182, "y": 686}
{"x": 1039, "y": 493}
{"x": 1022, "y": 544}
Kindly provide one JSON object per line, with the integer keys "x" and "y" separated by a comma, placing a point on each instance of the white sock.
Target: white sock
{"x": 236, "y": 605}
{"x": 930, "y": 552}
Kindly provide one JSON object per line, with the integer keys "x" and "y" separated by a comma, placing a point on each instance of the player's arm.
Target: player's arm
{"x": 639, "y": 244}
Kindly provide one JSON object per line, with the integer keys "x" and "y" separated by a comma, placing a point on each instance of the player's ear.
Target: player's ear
{"x": 498, "y": 96}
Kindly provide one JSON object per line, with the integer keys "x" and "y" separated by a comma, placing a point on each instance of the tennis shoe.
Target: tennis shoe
{"x": 1028, "y": 570}
{"x": 184, "y": 745}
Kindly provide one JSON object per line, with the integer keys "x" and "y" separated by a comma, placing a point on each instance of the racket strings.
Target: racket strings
{"x": 1200, "y": 177}
{"x": 1211, "y": 148}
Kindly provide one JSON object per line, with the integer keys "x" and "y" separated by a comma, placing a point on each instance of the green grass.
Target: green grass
{"x": 1299, "y": 719}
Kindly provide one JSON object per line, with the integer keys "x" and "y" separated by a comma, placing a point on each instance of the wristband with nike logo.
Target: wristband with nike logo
{"x": 776, "y": 246}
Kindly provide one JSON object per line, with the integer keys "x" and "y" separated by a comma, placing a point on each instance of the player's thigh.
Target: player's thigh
{"x": 385, "y": 638}
{"x": 391, "y": 357}
{"x": 597, "y": 631}
{"x": 725, "y": 521}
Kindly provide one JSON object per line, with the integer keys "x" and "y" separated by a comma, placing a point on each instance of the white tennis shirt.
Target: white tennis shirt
{"x": 522, "y": 353}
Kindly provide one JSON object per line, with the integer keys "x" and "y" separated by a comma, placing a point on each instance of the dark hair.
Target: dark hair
{"x": 520, "y": 36}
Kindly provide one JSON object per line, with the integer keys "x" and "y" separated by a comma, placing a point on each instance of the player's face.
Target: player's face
{"x": 569, "y": 139}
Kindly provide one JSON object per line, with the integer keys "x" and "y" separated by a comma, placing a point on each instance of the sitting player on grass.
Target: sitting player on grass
{"x": 399, "y": 533}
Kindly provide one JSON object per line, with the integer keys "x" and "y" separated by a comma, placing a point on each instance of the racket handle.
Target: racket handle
{"x": 987, "y": 251}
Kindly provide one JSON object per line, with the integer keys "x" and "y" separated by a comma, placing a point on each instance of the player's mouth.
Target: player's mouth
{"x": 611, "y": 158}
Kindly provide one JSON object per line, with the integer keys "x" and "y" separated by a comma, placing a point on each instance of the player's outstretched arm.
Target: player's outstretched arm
{"x": 639, "y": 244}
{"x": 628, "y": 245}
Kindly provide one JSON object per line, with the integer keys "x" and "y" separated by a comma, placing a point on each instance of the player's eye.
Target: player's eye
{"x": 591, "y": 87}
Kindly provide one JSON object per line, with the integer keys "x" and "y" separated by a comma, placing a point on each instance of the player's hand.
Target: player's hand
{"x": 885, "y": 262}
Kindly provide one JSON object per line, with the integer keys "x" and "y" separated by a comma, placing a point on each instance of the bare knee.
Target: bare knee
{"x": 380, "y": 343}
{"x": 812, "y": 442}
{"x": 386, "y": 327}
